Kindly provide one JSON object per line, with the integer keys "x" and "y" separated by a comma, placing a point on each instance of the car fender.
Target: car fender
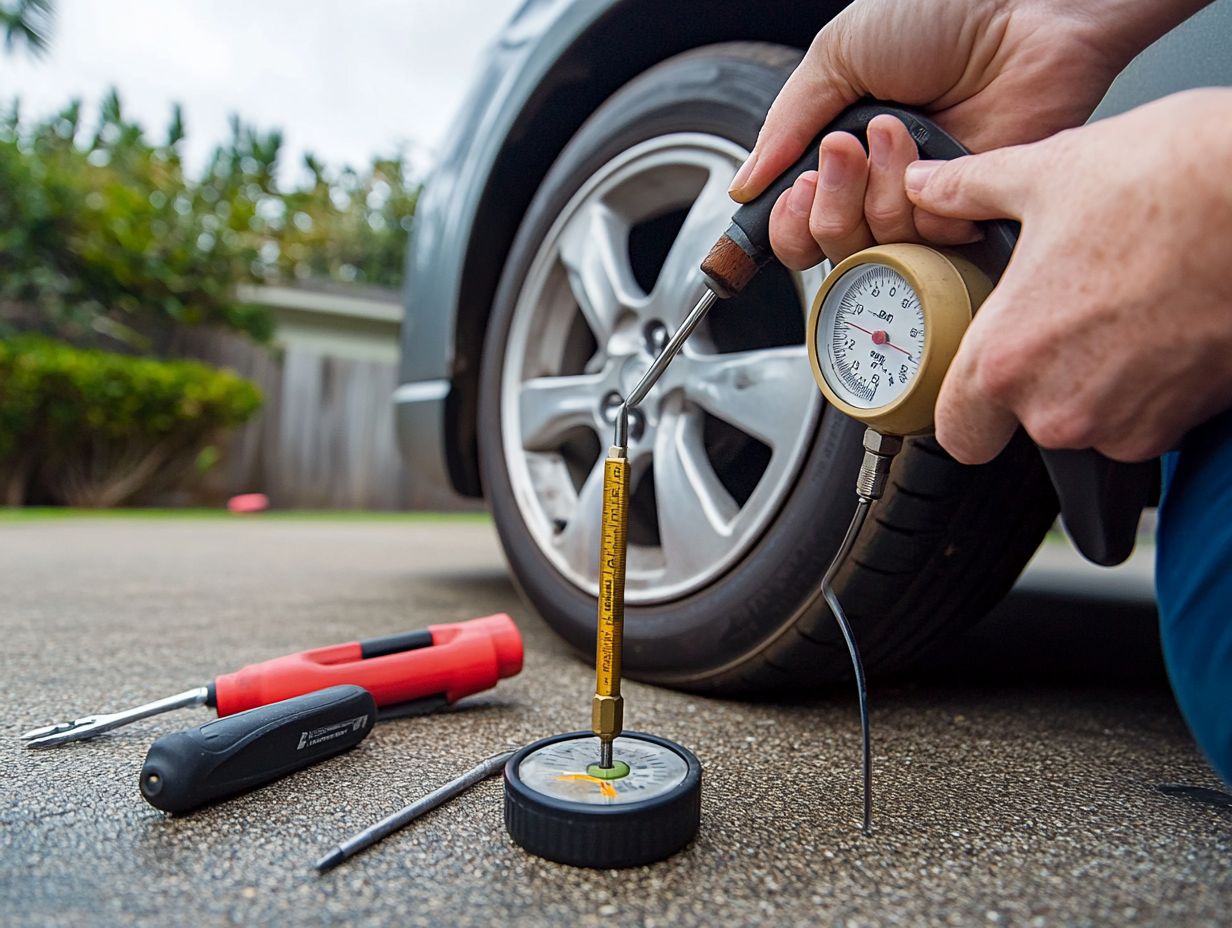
{"x": 554, "y": 64}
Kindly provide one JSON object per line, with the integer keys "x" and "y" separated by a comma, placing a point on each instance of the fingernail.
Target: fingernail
{"x": 834, "y": 171}
{"x": 878, "y": 146}
{"x": 918, "y": 173}
{"x": 742, "y": 176}
{"x": 803, "y": 192}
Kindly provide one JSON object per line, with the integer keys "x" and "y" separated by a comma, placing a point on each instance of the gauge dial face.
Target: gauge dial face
{"x": 870, "y": 337}
{"x": 560, "y": 770}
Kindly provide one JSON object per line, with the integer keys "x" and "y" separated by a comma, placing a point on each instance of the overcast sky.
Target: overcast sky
{"x": 344, "y": 80}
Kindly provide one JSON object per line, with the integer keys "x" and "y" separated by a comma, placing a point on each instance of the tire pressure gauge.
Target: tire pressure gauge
{"x": 883, "y": 329}
{"x": 560, "y": 804}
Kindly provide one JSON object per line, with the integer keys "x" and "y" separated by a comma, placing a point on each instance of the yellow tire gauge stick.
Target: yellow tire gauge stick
{"x": 607, "y": 711}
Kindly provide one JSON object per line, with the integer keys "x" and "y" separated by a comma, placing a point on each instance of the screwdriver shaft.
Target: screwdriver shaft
{"x": 92, "y": 725}
{"x": 656, "y": 369}
{"x": 388, "y": 826}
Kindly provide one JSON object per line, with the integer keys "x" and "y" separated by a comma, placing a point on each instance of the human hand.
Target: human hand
{"x": 991, "y": 73}
{"x": 1112, "y": 325}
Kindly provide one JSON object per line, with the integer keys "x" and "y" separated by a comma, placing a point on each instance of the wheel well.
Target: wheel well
{"x": 632, "y": 36}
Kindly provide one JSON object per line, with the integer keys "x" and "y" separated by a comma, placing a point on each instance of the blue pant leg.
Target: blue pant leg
{"x": 1193, "y": 580}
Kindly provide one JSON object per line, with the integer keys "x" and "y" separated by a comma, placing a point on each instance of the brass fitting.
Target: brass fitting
{"x": 607, "y": 715}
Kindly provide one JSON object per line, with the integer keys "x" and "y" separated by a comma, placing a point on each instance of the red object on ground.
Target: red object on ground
{"x": 248, "y": 502}
{"x": 443, "y": 660}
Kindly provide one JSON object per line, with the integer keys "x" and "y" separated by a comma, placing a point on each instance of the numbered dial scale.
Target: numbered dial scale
{"x": 883, "y": 329}
{"x": 561, "y": 805}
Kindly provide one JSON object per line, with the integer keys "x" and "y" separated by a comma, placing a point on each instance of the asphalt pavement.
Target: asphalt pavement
{"x": 1016, "y": 778}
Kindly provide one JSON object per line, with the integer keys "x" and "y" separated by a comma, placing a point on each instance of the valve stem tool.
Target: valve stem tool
{"x": 407, "y": 674}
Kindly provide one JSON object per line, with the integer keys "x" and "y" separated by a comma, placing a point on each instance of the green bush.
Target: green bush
{"x": 85, "y": 427}
{"x": 105, "y": 237}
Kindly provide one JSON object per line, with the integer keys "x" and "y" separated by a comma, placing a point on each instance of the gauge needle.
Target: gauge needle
{"x": 880, "y": 337}
{"x": 606, "y": 788}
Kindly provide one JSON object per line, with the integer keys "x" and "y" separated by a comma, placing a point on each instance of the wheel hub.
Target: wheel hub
{"x": 588, "y": 323}
{"x": 632, "y": 369}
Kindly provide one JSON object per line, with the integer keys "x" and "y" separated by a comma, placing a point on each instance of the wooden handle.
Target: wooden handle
{"x": 729, "y": 267}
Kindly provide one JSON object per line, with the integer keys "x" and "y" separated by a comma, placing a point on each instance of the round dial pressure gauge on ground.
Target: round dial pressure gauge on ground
{"x": 561, "y": 805}
{"x": 883, "y": 330}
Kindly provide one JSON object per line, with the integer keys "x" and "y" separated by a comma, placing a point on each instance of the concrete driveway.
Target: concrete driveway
{"x": 1014, "y": 786}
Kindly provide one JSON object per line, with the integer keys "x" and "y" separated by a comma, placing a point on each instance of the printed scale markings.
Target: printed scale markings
{"x": 875, "y": 298}
{"x": 611, "y": 580}
{"x": 560, "y": 770}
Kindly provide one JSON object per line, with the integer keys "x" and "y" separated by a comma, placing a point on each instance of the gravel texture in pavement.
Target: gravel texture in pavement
{"x": 1009, "y": 799}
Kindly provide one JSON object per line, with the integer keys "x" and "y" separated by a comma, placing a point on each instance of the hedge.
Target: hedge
{"x": 84, "y": 427}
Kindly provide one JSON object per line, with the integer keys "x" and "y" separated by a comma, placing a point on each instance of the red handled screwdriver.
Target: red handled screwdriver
{"x": 406, "y": 674}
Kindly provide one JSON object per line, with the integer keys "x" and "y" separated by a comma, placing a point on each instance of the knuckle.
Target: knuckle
{"x": 793, "y": 245}
{"x": 1066, "y": 426}
{"x": 886, "y": 213}
{"x": 999, "y": 372}
{"x": 832, "y": 226}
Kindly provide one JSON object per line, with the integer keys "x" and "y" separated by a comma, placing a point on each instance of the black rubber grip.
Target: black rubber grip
{"x": 395, "y": 644}
{"x": 1101, "y": 501}
{"x": 750, "y": 225}
{"x": 240, "y": 752}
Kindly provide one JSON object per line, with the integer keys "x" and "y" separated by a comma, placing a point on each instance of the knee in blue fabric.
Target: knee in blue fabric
{"x": 1193, "y": 578}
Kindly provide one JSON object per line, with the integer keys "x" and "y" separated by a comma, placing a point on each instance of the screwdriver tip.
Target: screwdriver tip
{"x": 330, "y": 860}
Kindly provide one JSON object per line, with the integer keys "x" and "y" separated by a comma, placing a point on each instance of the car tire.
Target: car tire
{"x": 940, "y": 549}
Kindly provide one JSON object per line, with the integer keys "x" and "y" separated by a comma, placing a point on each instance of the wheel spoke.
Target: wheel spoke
{"x": 548, "y": 407}
{"x": 594, "y": 251}
{"x": 680, "y": 281}
{"x": 695, "y": 511}
{"x": 766, "y": 393}
{"x": 549, "y": 392}
{"x": 579, "y": 542}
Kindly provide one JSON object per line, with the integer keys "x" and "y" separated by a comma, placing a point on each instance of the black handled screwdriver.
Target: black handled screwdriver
{"x": 240, "y": 752}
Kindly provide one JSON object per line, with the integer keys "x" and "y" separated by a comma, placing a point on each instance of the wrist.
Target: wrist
{"x": 1120, "y": 29}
